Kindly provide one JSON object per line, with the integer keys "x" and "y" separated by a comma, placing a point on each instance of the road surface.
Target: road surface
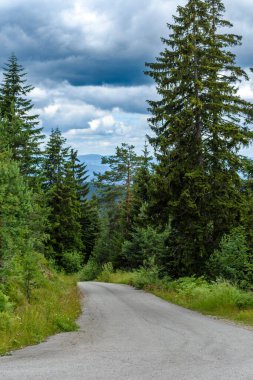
{"x": 128, "y": 334}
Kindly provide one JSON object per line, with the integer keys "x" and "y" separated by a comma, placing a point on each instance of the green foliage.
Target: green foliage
{"x": 65, "y": 324}
{"x": 19, "y": 129}
{"x": 148, "y": 274}
{"x": 105, "y": 275}
{"x": 91, "y": 225}
{"x": 72, "y": 261}
{"x": 5, "y": 304}
{"x": 90, "y": 271}
{"x": 17, "y": 235}
{"x": 232, "y": 261}
{"x": 199, "y": 123}
{"x": 54, "y": 307}
{"x": 145, "y": 243}
{"x": 71, "y": 217}
{"x": 115, "y": 189}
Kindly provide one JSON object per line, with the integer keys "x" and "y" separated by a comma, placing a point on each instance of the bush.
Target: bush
{"x": 105, "y": 275}
{"x": 232, "y": 261}
{"x": 189, "y": 286}
{"x": 72, "y": 262}
{"x": 5, "y": 305}
{"x": 244, "y": 301}
{"x": 147, "y": 275}
{"x": 90, "y": 271}
{"x": 145, "y": 243}
{"x": 6, "y": 320}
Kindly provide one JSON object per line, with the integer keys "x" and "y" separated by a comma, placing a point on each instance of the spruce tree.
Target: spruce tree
{"x": 65, "y": 182}
{"x": 199, "y": 124}
{"x": 141, "y": 184}
{"x": 90, "y": 222}
{"x": 21, "y": 133}
{"x": 22, "y": 229}
{"x": 55, "y": 157}
{"x": 53, "y": 177}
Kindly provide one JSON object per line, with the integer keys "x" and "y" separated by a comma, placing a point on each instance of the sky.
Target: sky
{"x": 86, "y": 61}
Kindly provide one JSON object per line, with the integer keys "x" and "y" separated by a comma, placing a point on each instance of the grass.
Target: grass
{"x": 53, "y": 308}
{"x": 220, "y": 299}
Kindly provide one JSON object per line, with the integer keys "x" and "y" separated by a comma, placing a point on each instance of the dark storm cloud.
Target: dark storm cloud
{"x": 86, "y": 59}
{"x": 96, "y": 42}
{"x": 84, "y": 42}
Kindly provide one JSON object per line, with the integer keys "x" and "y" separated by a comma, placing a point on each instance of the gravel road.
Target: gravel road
{"x": 128, "y": 334}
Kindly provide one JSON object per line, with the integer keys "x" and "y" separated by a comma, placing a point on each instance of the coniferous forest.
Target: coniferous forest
{"x": 178, "y": 213}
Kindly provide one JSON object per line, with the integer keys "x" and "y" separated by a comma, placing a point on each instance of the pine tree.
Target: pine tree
{"x": 21, "y": 133}
{"x": 115, "y": 185}
{"x": 199, "y": 124}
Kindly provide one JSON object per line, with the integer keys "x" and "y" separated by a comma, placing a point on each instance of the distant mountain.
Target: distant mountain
{"x": 93, "y": 162}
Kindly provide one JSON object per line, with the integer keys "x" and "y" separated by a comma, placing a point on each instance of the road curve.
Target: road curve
{"x": 128, "y": 334}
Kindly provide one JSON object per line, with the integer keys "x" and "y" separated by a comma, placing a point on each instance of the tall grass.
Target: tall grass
{"x": 53, "y": 308}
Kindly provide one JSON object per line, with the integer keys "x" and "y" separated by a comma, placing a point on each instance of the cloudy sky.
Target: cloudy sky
{"x": 86, "y": 60}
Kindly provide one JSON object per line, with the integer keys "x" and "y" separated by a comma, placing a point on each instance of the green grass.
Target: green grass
{"x": 220, "y": 299}
{"x": 54, "y": 308}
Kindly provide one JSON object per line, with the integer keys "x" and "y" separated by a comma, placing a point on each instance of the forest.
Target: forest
{"x": 177, "y": 218}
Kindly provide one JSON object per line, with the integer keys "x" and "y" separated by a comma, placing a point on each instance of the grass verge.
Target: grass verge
{"x": 220, "y": 299}
{"x": 53, "y": 308}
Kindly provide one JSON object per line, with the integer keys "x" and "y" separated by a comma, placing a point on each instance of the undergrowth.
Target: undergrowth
{"x": 53, "y": 308}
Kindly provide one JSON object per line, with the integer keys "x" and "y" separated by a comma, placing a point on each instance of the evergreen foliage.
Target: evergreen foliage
{"x": 233, "y": 261}
{"x": 115, "y": 189}
{"x": 73, "y": 221}
{"x": 20, "y": 243}
{"x": 115, "y": 185}
{"x": 20, "y": 130}
{"x": 199, "y": 124}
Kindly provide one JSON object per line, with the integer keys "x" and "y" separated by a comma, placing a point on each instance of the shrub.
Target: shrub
{"x": 244, "y": 300}
{"x": 145, "y": 243}
{"x": 5, "y": 305}
{"x": 147, "y": 275}
{"x": 231, "y": 261}
{"x": 90, "y": 271}
{"x": 72, "y": 261}
{"x": 105, "y": 275}
{"x": 188, "y": 286}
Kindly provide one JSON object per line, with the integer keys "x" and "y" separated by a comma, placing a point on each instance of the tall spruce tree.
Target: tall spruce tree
{"x": 54, "y": 173}
{"x": 199, "y": 124}
{"x": 65, "y": 183}
{"x": 141, "y": 184}
{"x": 20, "y": 130}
